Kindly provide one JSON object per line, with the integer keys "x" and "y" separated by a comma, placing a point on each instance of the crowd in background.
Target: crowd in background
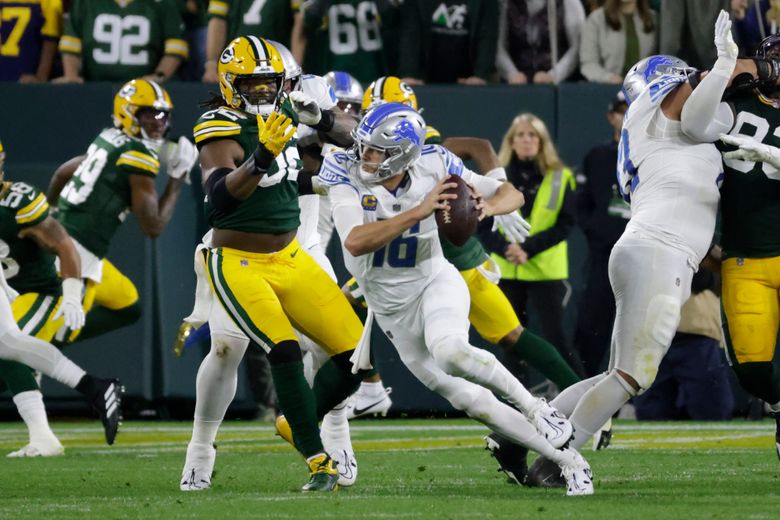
{"x": 470, "y": 42}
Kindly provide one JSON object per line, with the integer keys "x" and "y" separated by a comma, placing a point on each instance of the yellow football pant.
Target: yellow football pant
{"x": 269, "y": 294}
{"x": 751, "y": 303}
{"x": 115, "y": 290}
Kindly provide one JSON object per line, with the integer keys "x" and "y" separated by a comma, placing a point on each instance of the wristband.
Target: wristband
{"x": 263, "y": 160}
{"x": 327, "y": 120}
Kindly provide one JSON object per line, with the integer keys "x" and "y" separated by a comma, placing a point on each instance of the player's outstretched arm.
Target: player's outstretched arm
{"x": 480, "y": 151}
{"x": 61, "y": 176}
{"x": 367, "y": 238}
{"x": 507, "y": 199}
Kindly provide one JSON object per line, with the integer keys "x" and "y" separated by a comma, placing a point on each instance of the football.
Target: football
{"x": 459, "y": 222}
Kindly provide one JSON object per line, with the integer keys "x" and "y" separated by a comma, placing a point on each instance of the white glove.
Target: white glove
{"x": 751, "y": 150}
{"x": 516, "y": 228}
{"x": 70, "y": 306}
{"x": 181, "y": 158}
{"x": 306, "y": 108}
{"x": 724, "y": 42}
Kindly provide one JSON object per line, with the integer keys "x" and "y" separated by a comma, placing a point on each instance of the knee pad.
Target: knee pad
{"x": 458, "y": 358}
{"x": 661, "y": 321}
{"x": 285, "y": 352}
{"x": 467, "y": 397}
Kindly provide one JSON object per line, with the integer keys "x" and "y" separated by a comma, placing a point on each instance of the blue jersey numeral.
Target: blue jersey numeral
{"x": 400, "y": 252}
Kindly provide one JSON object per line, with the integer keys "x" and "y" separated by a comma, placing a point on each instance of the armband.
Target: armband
{"x": 219, "y": 196}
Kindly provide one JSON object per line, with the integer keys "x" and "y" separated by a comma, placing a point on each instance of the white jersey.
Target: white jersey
{"x": 316, "y": 88}
{"x": 396, "y": 274}
{"x": 670, "y": 179}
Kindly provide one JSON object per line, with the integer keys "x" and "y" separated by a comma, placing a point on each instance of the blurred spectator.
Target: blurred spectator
{"x": 448, "y": 41}
{"x": 535, "y": 273}
{"x": 614, "y": 38}
{"x": 342, "y": 35}
{"x": 193, "y": 12}
{"x": 754, "y": 23}
{"x": 116, "y": 40}
{"x": 229, "y": 19}
{"x": 693, "y": 379}
{"x": 29, "y": 32}
{"x": 539, "y": 40}
{"x": 602, "y": 213}
{"x": 686, "y": 28}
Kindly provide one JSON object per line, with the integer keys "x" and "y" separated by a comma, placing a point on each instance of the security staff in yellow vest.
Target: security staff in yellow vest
{"x": 537, "y": 271}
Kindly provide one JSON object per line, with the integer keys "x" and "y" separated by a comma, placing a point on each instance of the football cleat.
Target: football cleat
{"x": 576, "y": 471}
{"x": 323, "y": 475}
{"x": 39, "y": 449}
{"x": 346, "y": 464}
{"x": 364, "y": 403}
{"x": 107, "y": 402}
{"x": 511, "y": 457}
{"x": 544, "y": 473}
{"x": 198, "y": 468}
{"x": 551, "y": 424}
{"x": 603, "y": 437}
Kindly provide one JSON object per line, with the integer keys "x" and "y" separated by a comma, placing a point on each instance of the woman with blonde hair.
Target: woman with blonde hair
{"x": 536, "y": 272}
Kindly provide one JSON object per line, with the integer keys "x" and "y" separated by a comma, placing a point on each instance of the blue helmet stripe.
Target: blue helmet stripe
{"x": 342, "y": 81}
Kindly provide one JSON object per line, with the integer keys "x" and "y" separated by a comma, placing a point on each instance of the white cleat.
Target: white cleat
{"x": 551, "y": 424}
{"x": 198, "y": 468}
{"x": 364, "y": 403}
{"x": 347, "y": 466}
{"x": 39, "y": 449}
{"x": 576, "y": 470}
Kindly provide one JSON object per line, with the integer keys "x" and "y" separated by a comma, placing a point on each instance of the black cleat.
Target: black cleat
{"x": 106, "y": 400}
{"x": 545, "y": 473}
{"x": 511, "y": 457}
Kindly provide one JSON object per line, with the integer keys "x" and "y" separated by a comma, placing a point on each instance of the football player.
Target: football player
{"x": 264, "y": 279}
{"x": 94, "y": 193}
{"x": 491, "y": 312}
{"x": 28, "y": 235}
{"x": 391, "y": 246}
{"x": 669, "y": 170}
{"x": 751, "y": 239}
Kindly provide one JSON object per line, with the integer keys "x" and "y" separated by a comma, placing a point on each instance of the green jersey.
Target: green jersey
{"x": 750, "y": 194}
{"x": 270, "y": 19}
{"x": 97, "y": 199}
{"x": 26, "y": 266}
{"x": 273, "y": 207}
{"x": 347, "y": 38}
{"x": 121, "y": 40}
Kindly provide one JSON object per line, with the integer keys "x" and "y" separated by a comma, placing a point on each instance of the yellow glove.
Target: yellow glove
{"x": 274, "y": 132}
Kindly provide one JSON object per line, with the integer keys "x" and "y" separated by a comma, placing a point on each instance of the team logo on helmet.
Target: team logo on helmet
{"x": 406, "y": 130}
{"x": 127, "y": 91}
{"x": 227, "y": 55}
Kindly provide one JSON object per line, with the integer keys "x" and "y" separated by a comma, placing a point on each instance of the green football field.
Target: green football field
{"x": 407, "y": 469}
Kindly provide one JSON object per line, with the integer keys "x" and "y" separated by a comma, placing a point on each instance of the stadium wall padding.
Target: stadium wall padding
{"x": 43, "y": 125}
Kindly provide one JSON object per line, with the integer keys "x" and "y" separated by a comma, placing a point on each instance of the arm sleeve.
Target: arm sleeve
{"x": 136, "y": 162}
{"x": 70, "y": 43}
{"x": 484, "y": 185}
{"x": 573, "y": 20}
{"x": 173, "y": 31}
{"x": 218, "y": 9}
{"x": 504, "y": 64}
{"x": 590, "y": 62}
{"x": 32, "y": 209}
{"x": 485, "y": 55}
{"x": 544, "y": 240}
{"x": 704, "y": 116}
{"x": 345, "y": 205}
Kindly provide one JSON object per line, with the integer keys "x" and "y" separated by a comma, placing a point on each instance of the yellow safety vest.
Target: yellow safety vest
{"x": 553, "y": 263}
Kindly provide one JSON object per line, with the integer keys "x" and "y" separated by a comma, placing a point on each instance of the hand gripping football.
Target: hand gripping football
{"x": 460, "y": 221}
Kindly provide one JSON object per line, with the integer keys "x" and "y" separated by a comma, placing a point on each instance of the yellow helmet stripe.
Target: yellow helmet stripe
{"x": 33, "y": 210}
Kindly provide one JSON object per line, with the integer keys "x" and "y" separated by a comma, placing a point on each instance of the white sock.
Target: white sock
{"x": 774, "y": 408}
{"x": 567, "y": 400}
{"x": 371, "y": 388}
{"x": 33, "y": 413}
{"x": 597, "y": 406}
{"x": 215, "y": 386}
{"x": 67, "y": 372}
{"x": 334, "y": 430}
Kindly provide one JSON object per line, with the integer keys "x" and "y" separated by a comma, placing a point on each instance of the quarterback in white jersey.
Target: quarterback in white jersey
{"x": 668, "y": 168}
{"x": 383, "y": 195}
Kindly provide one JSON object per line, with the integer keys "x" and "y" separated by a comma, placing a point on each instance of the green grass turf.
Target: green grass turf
{"x": 408, "y": 469}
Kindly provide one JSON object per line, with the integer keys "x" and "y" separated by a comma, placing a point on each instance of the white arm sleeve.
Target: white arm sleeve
{"x": 346, "y": 209}
{"x": 704, "y": 117}
{"x": 486, "y": 186}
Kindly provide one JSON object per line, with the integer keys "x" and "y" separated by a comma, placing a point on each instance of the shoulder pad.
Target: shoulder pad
{"x": 138, "y": 157}
{"x": 31, "y": 205}
{"x": 452, "y": 163}
{"x": 432, "y": 136}
{"x": 334, "y": 169}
